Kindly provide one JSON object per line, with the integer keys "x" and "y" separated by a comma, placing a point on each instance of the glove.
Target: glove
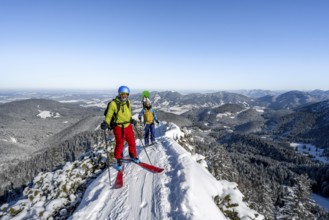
{"x": 157, "y": 121}
{"x": 133, "y": 121}
{"x": 104, "y": 125}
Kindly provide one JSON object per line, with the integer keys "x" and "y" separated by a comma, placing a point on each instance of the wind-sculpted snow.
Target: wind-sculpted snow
{"x": 185, "y": 190}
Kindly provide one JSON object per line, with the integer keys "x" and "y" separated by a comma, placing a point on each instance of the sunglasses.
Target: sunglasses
{"x": 123, "y": 93}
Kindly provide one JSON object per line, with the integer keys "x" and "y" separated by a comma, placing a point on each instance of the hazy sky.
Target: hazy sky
{"x": 165, "y": 44}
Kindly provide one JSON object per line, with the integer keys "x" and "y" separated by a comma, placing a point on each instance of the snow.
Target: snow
{"x": 321, "y": 201}
{"x": 44, "y": 114}
{"x": 53, "y": 205}
{"x": 173, "y": 131}
{"x": 185, "y": 190}
{"x": 12, "y": 139}
{"x": 259, "y": 109}
{"x": 229, "y": 114}
{"x": 71, "y": 101}
{"x": 95, "y": 104}
{"x": 157, "y": 98}
{"x": 309, "y": 149}
{"x": 177, "y": 110}
{"x": 48, "y": 114}
{"x": 221, "y": 115}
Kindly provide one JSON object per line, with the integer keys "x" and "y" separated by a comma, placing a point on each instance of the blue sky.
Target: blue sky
{"x": 164, "y": 44}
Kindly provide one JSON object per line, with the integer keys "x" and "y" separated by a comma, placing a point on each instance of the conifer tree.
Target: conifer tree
{"x": 297, "y": 202}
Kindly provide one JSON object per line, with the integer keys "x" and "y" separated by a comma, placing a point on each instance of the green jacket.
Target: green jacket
{"x": 123, "y": 117}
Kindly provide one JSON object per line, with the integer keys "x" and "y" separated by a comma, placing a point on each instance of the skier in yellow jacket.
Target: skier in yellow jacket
{"x": 121, "y": 124}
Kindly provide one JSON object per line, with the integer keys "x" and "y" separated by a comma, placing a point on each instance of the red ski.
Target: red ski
{"x": 119, "y": 180}
{"x": 146, "y": 166}
{"x": 150, "y": 167}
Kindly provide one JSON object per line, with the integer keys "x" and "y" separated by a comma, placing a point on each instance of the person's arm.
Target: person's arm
{"x": 140, "y": 114}
{"x": 155, "y": 116}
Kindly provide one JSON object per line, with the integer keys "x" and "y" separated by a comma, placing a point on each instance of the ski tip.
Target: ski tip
{"x": 151, "y": 168}
{"x": 118, "y": 186}
{"x": 119, "y": 180}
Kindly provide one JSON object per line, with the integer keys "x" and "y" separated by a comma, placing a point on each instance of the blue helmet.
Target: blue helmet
{"x": 123, "y": 89}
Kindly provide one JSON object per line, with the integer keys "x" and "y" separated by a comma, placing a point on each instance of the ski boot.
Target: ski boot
{"x": 119, "y": 165}
{"x": 135, "y": 160}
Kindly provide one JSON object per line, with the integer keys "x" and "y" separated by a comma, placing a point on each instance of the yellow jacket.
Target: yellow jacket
{"x": 123, "y": 116}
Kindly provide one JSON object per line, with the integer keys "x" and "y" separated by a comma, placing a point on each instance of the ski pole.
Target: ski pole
{"x": 140, "y": 137}
{"x": 108, "y": 158}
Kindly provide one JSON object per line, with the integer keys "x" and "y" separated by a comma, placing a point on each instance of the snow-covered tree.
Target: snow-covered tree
{"x": 297, "y": 203}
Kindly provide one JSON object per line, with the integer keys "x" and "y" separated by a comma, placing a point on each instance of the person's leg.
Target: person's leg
{"x": 146, "y": 134}
{"x": 152, "y": 128}
{"x": 119, "y": 145}
{"x": 119, "y": 142}
{"x": 130, "y": 138}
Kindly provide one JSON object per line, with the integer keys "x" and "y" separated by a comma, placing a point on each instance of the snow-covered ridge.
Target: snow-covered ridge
{"x": 184, "y": 190}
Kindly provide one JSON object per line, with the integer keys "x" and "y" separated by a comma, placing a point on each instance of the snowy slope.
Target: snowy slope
{"x": 185, "y": 190}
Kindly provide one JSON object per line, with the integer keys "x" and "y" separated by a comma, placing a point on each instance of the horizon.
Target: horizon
{"x": 135, "y": 91}
{"x": 164, "y": 45}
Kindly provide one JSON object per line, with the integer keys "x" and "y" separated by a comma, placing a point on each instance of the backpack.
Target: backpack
{"x": 114, "y": 116}
{"x": 148, "y": 116}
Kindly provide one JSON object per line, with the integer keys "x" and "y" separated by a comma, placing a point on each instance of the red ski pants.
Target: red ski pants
{"x": 120, "y": 137}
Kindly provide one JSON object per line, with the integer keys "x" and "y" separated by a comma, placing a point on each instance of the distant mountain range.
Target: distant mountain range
{"x": 309, "y": 124}
{"x": 289, "y": 100}
{"x": 257, "y": 93}
{"x": 273, "y": 100}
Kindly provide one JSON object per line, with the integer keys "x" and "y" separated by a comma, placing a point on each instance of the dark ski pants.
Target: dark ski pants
{"x": 128, "y": 135}
{"x": 149, "y": 130}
